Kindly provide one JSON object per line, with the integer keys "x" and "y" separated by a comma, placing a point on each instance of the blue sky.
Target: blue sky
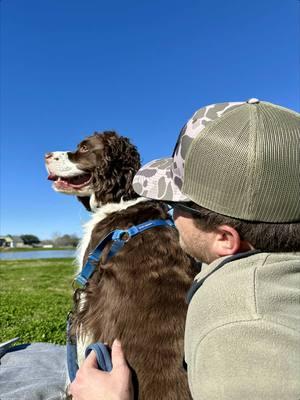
{"x": 70, "y": 67}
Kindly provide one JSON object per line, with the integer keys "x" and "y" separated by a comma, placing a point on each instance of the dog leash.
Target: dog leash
{"x": 103, "y": 355}
{"x": 119, "y": 237}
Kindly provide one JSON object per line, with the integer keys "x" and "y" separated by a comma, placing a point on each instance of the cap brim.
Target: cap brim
{"x": 155, "y": 181}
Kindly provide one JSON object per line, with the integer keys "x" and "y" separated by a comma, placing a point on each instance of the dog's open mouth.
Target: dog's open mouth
{"x": 75, "y": 182}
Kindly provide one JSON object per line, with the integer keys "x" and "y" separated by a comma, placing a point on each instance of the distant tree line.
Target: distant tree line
{"x": 57, "y": 240}
{"x": 66, "y": 240}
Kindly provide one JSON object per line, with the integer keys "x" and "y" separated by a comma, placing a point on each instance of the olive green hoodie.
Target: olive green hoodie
{"x": 242, "y": 338}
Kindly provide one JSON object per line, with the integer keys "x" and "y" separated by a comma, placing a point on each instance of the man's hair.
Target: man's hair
{"x": 265, "y": 236}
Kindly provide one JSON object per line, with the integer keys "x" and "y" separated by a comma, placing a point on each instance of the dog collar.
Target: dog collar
{"x": 119, "y": 238}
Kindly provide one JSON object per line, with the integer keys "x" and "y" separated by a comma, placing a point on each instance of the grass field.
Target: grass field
{"x": 35, "y": 298}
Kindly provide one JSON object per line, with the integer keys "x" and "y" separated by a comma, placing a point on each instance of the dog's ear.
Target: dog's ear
{"x": 85, "y": 201}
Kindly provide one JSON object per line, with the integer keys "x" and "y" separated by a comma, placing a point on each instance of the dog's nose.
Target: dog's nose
{"x": 48, "y": 155}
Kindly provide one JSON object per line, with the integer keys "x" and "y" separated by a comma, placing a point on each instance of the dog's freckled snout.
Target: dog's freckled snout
{"x": 48, "y": 156}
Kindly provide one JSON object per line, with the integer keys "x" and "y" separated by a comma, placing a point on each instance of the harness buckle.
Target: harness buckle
{"x": 125, "y": 236}
{"x": 78, "y": 282}
{"x": 121, "y": 235}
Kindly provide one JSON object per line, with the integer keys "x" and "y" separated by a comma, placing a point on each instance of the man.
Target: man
{"x": 234, "y": 183}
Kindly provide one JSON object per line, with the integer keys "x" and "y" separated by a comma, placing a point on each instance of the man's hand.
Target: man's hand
{"x": 92, "y": 384}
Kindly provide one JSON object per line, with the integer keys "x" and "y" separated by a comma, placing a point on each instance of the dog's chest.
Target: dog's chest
{"x": 96, "y": 217}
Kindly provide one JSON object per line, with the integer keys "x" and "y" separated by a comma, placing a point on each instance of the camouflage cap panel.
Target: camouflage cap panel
{"x": 155, "y": 181}
{"x": 163, "y": 179}
{"x": 195, "y": 125}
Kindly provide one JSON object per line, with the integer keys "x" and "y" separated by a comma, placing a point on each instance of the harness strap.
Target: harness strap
{"x": 119, "y": 238}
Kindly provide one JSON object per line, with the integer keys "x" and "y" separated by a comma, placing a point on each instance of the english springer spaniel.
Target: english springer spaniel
{"x": 138, "y": 295}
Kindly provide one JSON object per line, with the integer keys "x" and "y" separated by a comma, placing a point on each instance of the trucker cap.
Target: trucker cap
{"x": 238, "y": 159}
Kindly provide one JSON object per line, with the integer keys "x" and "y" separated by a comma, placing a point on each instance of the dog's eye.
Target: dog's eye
{"x": 83, "y": 148}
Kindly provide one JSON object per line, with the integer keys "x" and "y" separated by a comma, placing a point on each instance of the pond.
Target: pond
{"x": 25, "y": 255}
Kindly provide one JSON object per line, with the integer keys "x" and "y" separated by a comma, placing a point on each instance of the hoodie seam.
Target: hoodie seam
{"x": 255, "y": 285}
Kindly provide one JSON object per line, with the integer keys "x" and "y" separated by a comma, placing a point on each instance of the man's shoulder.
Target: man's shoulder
{"x": 240, "y": 274}
{"x": 261, "y": 285}
{"x": 224, "y": 292}
{"x": 260, "y": 289}
{"x": 277, "y": 289}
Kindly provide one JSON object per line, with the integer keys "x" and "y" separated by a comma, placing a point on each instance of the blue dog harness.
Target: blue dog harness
{"x": 119, "y": 237}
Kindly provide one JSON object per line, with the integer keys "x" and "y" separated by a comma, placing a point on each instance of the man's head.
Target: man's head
{"x": 236, "y": 160}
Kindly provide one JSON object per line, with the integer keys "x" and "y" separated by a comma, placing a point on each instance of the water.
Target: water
{"x": 25, "y": 255}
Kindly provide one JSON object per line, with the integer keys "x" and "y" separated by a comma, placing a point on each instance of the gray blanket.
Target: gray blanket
{"x": 35, "y": 371}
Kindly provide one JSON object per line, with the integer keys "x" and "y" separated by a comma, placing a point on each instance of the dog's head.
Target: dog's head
{"x": 102, "y": 167}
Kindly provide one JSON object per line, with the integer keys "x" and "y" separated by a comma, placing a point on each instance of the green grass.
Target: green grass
{"x": 35, "y": 298}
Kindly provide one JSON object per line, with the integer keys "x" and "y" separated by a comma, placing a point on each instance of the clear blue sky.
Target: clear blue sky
{"x": 142, "y": 67}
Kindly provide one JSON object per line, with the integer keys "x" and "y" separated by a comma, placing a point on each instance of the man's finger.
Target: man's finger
{"x": 117, "y": 355}
{"x": 91, "y": 360}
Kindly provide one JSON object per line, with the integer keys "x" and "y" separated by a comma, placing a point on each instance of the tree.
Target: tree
{"x": 30, "y": 239}
{"x": 66, "y": 240}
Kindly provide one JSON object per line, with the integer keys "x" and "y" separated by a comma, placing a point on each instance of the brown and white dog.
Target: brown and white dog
{"x": 137, "y": 296}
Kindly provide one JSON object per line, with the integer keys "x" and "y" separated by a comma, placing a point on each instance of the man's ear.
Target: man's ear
{"x": 227, "y": 241}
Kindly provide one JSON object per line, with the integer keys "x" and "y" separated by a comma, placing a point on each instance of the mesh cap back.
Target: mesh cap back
{"x": 247, "y": 164}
